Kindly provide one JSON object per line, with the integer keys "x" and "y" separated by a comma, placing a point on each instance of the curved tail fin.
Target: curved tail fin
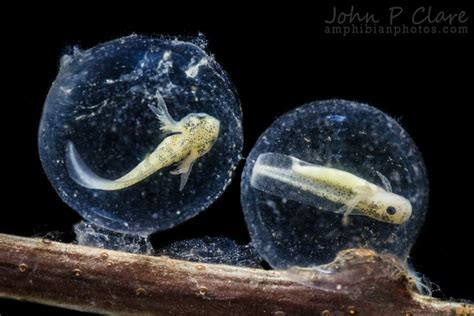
{"x": 82, "y": 175}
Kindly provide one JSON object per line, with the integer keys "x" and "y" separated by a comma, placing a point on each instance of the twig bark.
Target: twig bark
{"x": 110, "y": 282}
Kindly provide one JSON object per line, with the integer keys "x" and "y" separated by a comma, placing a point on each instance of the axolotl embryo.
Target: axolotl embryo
{"x": 294, "y": 179}
{"x": 190, "y": 138}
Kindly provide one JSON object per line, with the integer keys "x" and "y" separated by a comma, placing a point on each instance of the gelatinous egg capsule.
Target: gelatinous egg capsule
{"x": 140, "y": 133}
{"x": 333, "y": 175}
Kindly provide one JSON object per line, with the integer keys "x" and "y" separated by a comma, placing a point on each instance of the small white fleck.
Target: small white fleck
{"x": 66, "y": 90}
{"x": 271, "y": 203}
{"x": 166, "y": 55}
{"x": 193, "y": 70}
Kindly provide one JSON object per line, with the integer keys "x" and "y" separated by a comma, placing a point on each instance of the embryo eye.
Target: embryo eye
{"x": 391, "y": 210}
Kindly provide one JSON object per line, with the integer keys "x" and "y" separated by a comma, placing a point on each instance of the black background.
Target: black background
{"x": 278, "y": 59}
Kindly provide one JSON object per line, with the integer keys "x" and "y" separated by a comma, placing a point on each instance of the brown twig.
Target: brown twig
{"x": 102, "y": 281}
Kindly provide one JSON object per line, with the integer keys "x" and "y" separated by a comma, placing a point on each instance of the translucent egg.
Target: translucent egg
{"x": 329, "y": 176}
{"x": 140, "y": 134}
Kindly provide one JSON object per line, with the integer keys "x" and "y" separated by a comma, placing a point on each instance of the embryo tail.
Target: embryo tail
{"x": 85, "y": 177}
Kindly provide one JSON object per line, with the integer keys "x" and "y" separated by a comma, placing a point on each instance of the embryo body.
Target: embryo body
{"x": 190, "y": 138}
{"x": 288, "y": 177}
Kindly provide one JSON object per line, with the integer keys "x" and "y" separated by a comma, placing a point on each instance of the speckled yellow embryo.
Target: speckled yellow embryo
{"x": 357, "y": 195}
{"x": 190, "y": 138}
